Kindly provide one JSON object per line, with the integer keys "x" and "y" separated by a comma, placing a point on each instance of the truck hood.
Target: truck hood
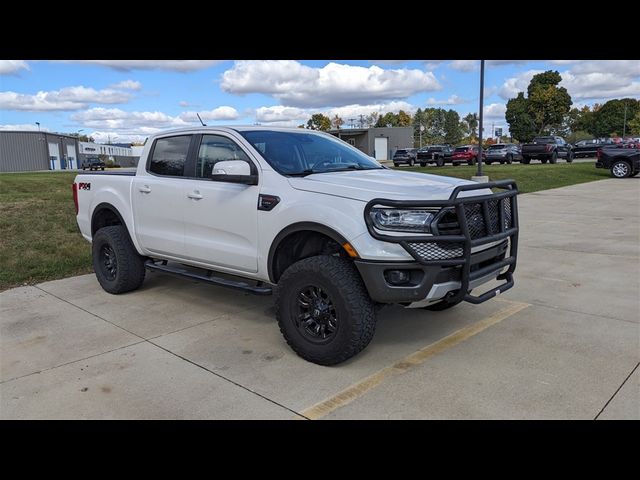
{"x": 385, "y": 183}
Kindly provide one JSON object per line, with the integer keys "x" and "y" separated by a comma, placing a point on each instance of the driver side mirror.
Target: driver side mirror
{"x": 234, "y": 171}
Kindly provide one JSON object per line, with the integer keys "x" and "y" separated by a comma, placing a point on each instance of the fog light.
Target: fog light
{"x": 397, "y": 277}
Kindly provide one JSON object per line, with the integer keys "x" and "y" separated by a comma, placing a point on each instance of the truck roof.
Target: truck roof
{"x": 237, "y": 128}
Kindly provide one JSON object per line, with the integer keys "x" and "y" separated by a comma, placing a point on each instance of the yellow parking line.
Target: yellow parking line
{"x": 360, "y": 388}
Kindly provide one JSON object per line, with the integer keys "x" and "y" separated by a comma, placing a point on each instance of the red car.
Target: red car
{"x": 466, "y": 153}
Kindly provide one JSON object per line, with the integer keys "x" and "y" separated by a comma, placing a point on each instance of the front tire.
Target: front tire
{"x": 526, "y": 160}
{"x": 509, "y": 159}
{"x": 423, "y": 164}
{"x": 323, "y": 309}
{"x": 412, "y": 162}
{"x": 569, "y": 157}
{"x": 118, "y": 266}
{"x": 440, "y": 162}
{"x": 621, "y": 169}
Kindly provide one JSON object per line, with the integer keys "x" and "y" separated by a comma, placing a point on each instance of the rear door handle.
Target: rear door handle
{"x": 145, "y": 189}
{"x": 195, "y": 195}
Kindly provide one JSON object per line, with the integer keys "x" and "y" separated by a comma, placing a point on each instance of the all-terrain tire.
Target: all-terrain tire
{"x": 118, "y": 266}
{"x": 354, "y": 311}
{"x": 570, "y": 156}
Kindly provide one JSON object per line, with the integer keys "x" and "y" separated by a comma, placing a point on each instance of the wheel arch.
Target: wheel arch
{"x": 293, "y": 229}
{"x": 105, "y": 214}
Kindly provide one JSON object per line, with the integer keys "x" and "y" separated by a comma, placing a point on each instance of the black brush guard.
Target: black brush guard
{"x": 478, "y": 221}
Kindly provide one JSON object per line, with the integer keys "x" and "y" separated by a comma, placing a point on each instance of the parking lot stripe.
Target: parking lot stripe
{"x": 360, "y": 388}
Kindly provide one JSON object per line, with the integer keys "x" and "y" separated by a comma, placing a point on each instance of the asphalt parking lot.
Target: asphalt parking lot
{"x": 563, "y": 343}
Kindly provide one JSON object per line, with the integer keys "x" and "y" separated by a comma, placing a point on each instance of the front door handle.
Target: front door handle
{"x": 195, "y": 195}
{"x": 145, "y": 189}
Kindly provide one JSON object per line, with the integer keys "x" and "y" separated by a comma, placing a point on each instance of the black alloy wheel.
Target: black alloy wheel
{"x": 316, "y": 320}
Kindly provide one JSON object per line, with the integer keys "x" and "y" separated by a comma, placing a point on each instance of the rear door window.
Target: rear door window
{"x": 170, "y": 156}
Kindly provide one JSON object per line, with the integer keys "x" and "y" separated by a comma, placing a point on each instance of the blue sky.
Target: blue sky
{"x": 130, "y": 99}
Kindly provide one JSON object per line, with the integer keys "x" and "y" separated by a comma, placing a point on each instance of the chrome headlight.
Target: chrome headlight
{"x": 405, "y": 220}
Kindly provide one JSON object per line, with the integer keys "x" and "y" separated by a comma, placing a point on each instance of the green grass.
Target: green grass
{"x": 40, "y": 238}
{"x": 530, "y": 178}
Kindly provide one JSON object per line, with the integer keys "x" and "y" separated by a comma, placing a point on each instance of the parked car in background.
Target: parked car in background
{"x": 93, "y": 163}
{"x": 623, "y": 162}
{"x": 465, "y": 154}
{"x": 437, "y": 154}
{"x": 587, "y": 148}
{"x": 405, "y": 155}
{"x": 503, "y": 153}
{"x": 548, "y": 148}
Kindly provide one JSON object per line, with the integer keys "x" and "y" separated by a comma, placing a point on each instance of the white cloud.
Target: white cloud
{"x": 432, "y": 64}
{"x": 495, "y": 111}
{"x": 293, "y": 116}
{"x": 12, "y": 67}
{"x": 171, "y": 65}
{"x": 513, "y": 85}
{"x": 465, "y": 65}
{"x": 452, "y": 100}
{"x": 279, "y": 113}
{"x": 23, "y": 126}
{"x": 333, "y": 85}
{"x": 127, "y": 85}
{"x": 68, "y": 98}
{"x": 220, "y": 113}
{"x": 592, "y": 79}
{"x": 184, "y": 103}
{"x": 136, "y": 125}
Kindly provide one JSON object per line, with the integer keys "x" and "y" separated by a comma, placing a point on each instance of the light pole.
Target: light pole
{"x": 38, "y": 123}
{"x": 478, "y": 176}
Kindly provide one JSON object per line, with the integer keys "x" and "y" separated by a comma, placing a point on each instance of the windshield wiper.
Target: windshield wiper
{"x": 310, "y": 171}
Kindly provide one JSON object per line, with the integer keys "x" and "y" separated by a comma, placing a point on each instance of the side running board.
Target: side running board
{"x": 208, "y": 278}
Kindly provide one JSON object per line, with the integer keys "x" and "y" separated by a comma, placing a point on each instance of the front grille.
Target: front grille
{"x": 437, "y": 250}
{"x": 478, "y": 224}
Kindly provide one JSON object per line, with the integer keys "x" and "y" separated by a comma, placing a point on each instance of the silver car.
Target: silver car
{"x": 503, "y": 153}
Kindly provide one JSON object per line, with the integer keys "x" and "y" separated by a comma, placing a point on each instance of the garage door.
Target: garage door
{"x": 380, "y": 148}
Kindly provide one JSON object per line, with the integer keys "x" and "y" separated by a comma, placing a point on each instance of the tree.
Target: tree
{"x": 609, "y": 118}
{"x": 452, "y": 129}
{"x": 372, "y": 119}
{"x": 319, "y": 121}
{"x": 547, "y": 104}
{"x": 633, "y": 125}
{"x": 471, "y": 121}
{"x": 521, "y": 125}
{"x": 337, "y": 122}
{"x": 404, "y": 119}
{"x": 388, "y": 119}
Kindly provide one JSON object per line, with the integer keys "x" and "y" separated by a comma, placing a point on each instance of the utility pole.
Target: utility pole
{"x": 479, "y": 177}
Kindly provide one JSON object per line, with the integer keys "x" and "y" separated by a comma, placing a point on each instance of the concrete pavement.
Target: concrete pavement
{"x": 563, "y": 343}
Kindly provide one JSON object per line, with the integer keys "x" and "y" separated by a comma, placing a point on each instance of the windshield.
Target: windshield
{"x": 544, "y": 140}
{"x": 497, "y": 147}
{"x": 305, "y": 153}
{"x": 400, "y": 152}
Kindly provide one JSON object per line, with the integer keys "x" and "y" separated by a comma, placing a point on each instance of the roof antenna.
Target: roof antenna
{"x": 203, "y": 124}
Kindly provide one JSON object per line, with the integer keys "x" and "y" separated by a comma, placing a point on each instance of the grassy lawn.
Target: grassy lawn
{"x": 40, "y": 238}
{"x": 530, "y": 178}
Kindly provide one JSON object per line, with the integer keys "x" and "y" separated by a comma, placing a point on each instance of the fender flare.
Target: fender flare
{"x": 107, "y": 206}
{"x": 299, "y": 227}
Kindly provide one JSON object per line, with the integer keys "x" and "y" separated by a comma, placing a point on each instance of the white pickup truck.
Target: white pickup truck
{"x": 305, "y": 215}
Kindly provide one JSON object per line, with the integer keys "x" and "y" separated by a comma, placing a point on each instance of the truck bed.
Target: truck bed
{"x": 96, "y": 172}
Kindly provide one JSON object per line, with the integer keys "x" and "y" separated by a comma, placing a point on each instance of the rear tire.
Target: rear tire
{"x": 526, "y": 160}
{"x": 621, "y": 169}
{"x": 335, "y": 323}
{"x": 509, "y": 159}
{"x": 116, "y": 262}
{"x": 569, "y": 157}
{"x": 412, "y": 162}
{"x": 554, "y": 158}
{"x": 423, "y": 164}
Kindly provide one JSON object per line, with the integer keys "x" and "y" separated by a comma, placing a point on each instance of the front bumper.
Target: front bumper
{"x": 427, "y": 283}
{"x": 445, "y": 259}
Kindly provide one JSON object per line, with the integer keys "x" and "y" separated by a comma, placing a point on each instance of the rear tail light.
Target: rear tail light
{"x": 75, "y": 196}
{"x": 549, "y": 148}
{"x": 598, "y": 153}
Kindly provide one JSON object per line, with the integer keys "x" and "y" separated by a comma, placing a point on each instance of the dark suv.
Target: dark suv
{"x": 405, "y": 155}
{"x": 93, "y": 163}
{"x": 503, "y": 153}
{"x": 437, "y": 154}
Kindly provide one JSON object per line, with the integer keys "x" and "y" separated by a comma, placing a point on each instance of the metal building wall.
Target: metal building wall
{"x": 23, "y": 151}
